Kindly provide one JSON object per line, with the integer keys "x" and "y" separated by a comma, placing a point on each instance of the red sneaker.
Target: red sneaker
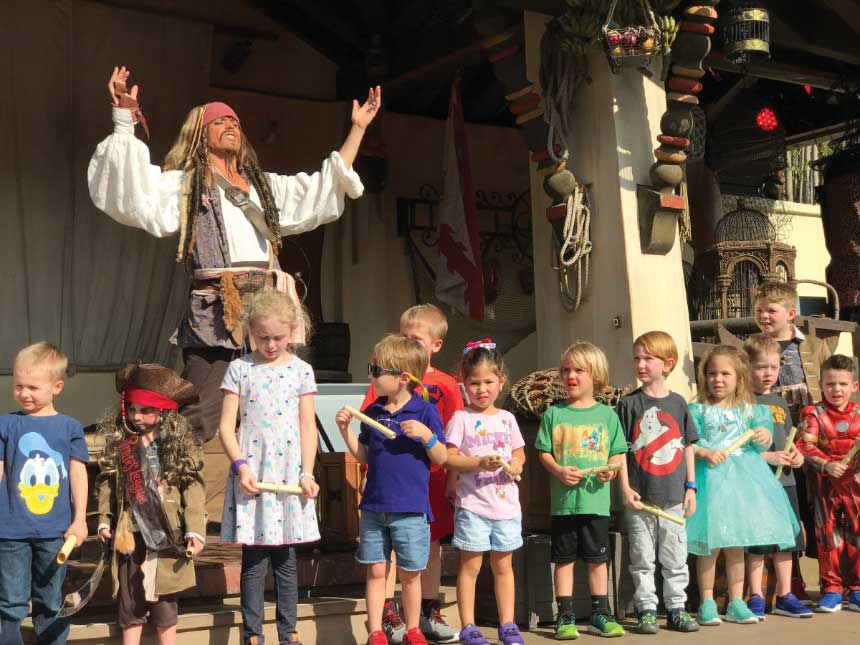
{"x": 798, "y": 588}
{"x": 377, "y": 638}
{"x": 414, "y": 637}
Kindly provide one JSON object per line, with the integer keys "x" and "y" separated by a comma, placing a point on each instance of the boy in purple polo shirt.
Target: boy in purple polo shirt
{"x": 395, "y": 511}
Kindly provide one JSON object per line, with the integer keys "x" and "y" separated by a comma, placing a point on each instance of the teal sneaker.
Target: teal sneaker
{"x": 565, "y": 628}
{"x": 738, "y": 612}
{"x": 604, "y": 625}
{"x": 708, "y": 614}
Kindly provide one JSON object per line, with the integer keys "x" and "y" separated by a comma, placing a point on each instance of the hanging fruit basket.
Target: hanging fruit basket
{"x": 632, "y": 46}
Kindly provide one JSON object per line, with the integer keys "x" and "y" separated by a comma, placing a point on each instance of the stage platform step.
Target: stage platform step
{"x": 219, "y": 566}
{"x": 336, "y": 618}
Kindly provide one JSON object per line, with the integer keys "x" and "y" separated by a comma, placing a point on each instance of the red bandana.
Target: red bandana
{"x": 149, "y": 399}
{"x": 217, "y": 110}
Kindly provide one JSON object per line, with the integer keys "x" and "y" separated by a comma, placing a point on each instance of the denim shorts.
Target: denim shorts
{"x": 407, "y": 534}
{"x": 475, "y": 533}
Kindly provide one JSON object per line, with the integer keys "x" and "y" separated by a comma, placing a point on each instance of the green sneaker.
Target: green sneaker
{"x": 738, "y": 612}
{"x": 680, "y": 621}
{"x": 565, "y": 628}
{"x": 605, "y": 625}
{"x": 647, "y": 622}
{"x": 708, "y": 614}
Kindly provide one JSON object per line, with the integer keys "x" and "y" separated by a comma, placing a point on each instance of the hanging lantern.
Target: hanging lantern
{"x": 746, "y": 35}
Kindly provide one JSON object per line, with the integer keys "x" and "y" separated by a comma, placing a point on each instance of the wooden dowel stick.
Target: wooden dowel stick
{"x": 279, "y": 488}
{"x": 659, "y": 512}
{"x": 605, "y": 468}
{"x": 847, "y": 458}
{"x": 507, "y": 468}
{"x": 789, "y": 442}
{"x": 68, "y": 545}
{"x": 373, "y": 423}
{"x": 744, "y": 439}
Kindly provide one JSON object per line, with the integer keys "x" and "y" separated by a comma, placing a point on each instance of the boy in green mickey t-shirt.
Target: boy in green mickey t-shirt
{"x": 575, "y": 435}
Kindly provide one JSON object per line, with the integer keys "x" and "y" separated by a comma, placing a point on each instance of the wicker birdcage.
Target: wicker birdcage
{"x": 746, "y": 34}
{"x": 745, "y": 254}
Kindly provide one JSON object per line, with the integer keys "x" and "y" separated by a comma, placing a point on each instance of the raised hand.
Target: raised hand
{"x": 363, "y": 114}
{"x": 118, "y": 89}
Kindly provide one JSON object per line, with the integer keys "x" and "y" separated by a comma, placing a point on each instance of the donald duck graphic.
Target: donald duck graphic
{"x": 39, "y": 481}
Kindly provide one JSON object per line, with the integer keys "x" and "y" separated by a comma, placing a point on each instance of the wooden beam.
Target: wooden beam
{"x": 777, "y": 71}
{"x": 832, "y": 45}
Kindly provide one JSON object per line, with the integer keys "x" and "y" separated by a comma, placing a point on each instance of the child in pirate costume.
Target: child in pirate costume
{"x": 151, "y": 498}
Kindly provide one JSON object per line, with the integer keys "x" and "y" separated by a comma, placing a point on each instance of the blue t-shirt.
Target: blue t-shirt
{"x": 398, "y": 470}
{"x": 35, "y": 501}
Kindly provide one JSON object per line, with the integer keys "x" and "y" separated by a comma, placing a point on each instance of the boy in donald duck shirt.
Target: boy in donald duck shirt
{"x": 43, "y": 496}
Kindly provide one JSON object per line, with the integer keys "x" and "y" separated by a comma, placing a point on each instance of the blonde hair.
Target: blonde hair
{"x": 780, "y": 293}
{"x": 395, "y": 352}
{"x": 740, "y": 363}
{"x": 429, "y": 316}
{"x": 44, "y": 356}
{"x": 278, "y": 305}
{"x": 761, "y": 345}
{"x": 589, "y": 357}
{"x": 661, "y": 345}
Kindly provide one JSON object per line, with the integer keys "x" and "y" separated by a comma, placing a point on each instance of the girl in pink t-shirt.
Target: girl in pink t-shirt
{"x": 486, "y": 448}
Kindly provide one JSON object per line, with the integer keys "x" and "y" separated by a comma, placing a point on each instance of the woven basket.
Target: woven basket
{"x": 632, "y": 46}
{"x": 532, "y": 395}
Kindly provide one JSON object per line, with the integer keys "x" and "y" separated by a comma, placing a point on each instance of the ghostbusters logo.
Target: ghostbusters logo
{"x": 657, "y": 444}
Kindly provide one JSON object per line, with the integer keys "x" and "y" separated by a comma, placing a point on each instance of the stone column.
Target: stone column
{"x": 616, "y": 119}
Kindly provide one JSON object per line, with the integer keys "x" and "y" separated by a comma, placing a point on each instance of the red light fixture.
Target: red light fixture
{"x": 766, "y": 120}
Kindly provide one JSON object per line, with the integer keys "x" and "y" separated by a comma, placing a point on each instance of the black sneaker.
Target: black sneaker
{"x": 647, "y": 622}
{"x": 680, "y": 621}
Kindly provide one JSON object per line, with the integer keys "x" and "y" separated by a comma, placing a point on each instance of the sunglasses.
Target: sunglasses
{"x": 376, "y": 371}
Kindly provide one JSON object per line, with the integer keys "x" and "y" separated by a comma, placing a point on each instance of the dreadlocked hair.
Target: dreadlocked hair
{"x": 190, "y": 154}
{"x": 179, "y": 464}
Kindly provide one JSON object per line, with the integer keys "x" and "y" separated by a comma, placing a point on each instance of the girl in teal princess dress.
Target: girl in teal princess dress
{"x": 739, "y": 503}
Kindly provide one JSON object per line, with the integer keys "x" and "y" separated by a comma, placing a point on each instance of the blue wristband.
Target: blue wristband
{"x": 431, "y": 443}
{"x": 238, "y": 464}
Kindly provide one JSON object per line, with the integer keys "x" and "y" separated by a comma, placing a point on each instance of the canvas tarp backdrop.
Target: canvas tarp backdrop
{"x": 105, "y": 293}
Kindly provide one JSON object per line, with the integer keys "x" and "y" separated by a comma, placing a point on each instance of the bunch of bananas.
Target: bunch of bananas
{"x": 581, "y": 25}
{"x": 669, "y": 27}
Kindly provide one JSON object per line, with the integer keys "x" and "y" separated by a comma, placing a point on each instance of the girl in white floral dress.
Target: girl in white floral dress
{"x": 270, "y": 392}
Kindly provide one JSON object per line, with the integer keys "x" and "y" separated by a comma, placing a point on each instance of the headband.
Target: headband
{"x": 149, "y": 399}
{"x": 486, "y": 343}
{"x": 218, "y": 110}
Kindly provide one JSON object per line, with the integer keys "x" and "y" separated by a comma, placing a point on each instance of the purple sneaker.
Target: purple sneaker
{"x": 509, "y": 634}
{"x": 471, "y": 635}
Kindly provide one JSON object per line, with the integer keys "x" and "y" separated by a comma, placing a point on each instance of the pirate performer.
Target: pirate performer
{"x": 151, "y": 498}
{"x": 228, "y": 214}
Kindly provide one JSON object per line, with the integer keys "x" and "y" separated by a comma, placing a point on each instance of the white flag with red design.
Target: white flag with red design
{"x": 459, "y": 278}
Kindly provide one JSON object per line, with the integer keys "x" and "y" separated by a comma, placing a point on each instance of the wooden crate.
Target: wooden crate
{"x": 534, "y": 487}
{"x": 339, "y": 496}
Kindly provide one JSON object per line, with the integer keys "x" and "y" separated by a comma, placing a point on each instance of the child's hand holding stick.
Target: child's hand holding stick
{"x": 66, "y": 549}
{"x": 605, "y": 468}
{"x": 789, "y": 446}
{"x": 279, "y": 488}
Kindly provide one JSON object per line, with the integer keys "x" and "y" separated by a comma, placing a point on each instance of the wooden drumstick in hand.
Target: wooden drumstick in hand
{"x": 279, "y": 488}
{"x": 605, "y": 468}
{"x": 789, "y": 443}
{"x": 68, "y": 545}
{"x": 373, "y": 423}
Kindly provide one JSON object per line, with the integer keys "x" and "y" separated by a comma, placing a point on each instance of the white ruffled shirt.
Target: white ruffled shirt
{"x": 125, "y": 185}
